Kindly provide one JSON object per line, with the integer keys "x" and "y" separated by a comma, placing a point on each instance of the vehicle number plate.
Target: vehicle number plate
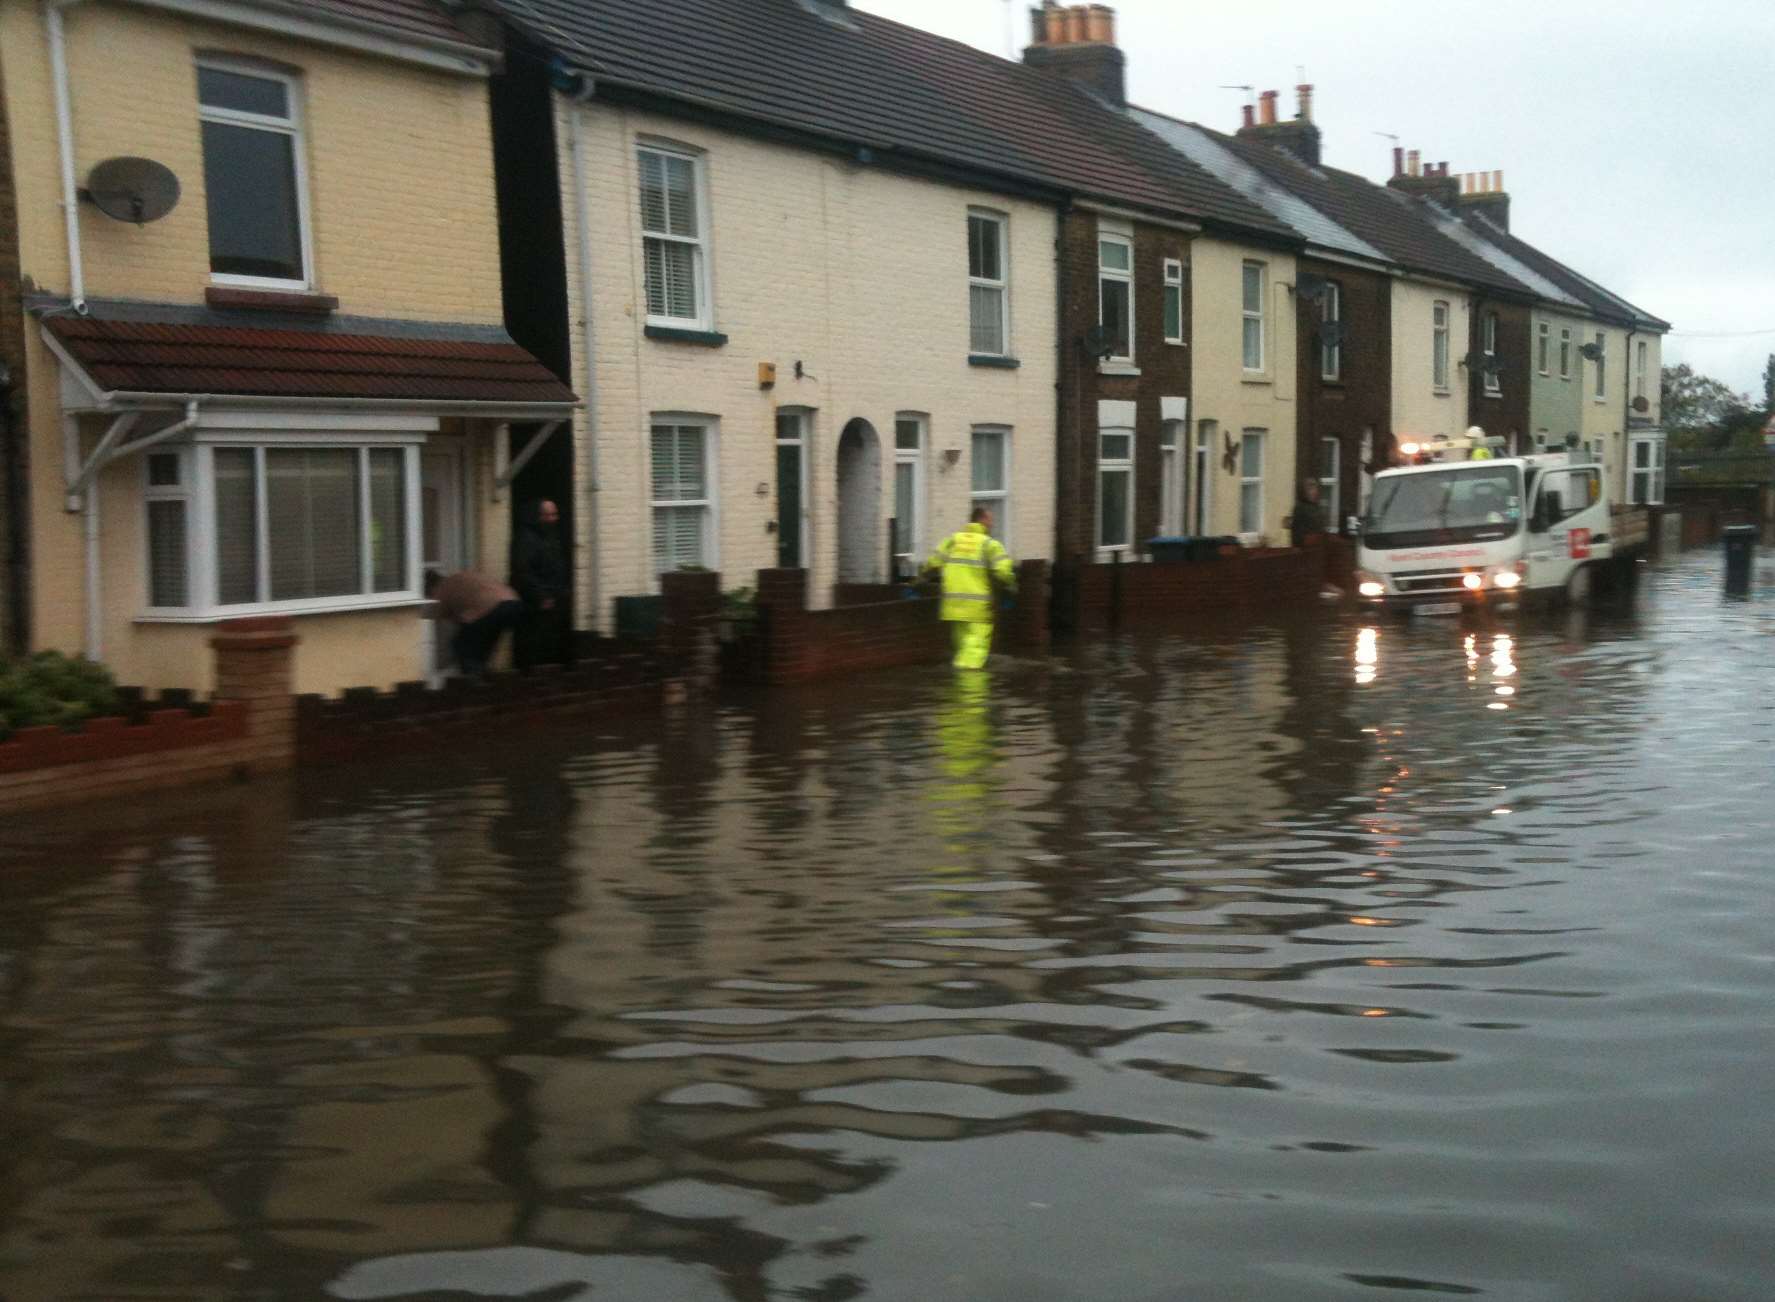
{"x": 1437, "y": 608}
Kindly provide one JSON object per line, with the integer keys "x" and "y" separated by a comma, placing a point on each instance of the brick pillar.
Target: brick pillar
{"x": 1026, "y": 627}
{"x": 782, "y": 625}
{"x": 690, "y": 602}
{"x": 255, "y": 663}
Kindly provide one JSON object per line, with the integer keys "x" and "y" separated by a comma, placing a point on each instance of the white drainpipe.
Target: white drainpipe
{"x": 582, "y": 218}
{"x": 64, "y": 128}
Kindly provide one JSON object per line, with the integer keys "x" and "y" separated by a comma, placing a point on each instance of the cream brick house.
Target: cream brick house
{"x": 288, "y": 393}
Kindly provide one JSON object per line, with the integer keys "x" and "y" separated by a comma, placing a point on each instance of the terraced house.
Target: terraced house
{"x": 254, "y": 313}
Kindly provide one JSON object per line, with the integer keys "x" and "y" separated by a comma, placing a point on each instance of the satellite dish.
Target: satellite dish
{"x": 132, "y": 189}
{"x": 1097, "y": 343}
{"x": 1310, "y": 287}
{"x": 1640, "y": 404}
{"x": 1474, "y": 361}
{"x": 1590, "y": 351}
{"x": 1331, "y": 332}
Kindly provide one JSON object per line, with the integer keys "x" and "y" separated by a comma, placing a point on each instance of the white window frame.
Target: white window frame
{"x": 702, "y": 258}
{"x": 197, "y": 470}
{"x": 1544, "y": 346}
{"x": 1657, "y": 450}
{"x": 1331, "y": 354}
{"x": 1002, "y": 285}
{"x": 1122, "y": 467}
{"x": 1488, "y": 347}
{"x": 914, "y": 457}
{"x": 1601, "y": 392}
{"x": 1330, "y": 467}
{"x": 1263, "y": 451}
{"x": 1439, "y": 360}
{"x": 998, "y": 500}
{"x": 1565, "y": 352}
{"x": 1173, "y": 294}
{"x": 183, "y": 491}
{"x": 1106, "y": 236}
{"x": 1173, "y": 448}
{"x": 292, "y": 127}
{"x": 710, "y": 501}
{"x": 1249, "y": 315}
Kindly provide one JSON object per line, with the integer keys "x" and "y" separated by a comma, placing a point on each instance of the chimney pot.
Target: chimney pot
{"x": 1304, "y": 102}
{"x": 1412, "y": 165}
{"x": 1267, "y": 108}
{"x": 1077, "y": 25}
{"x": 1497, "y": 178}
{"x": 1249, "y": 114}
{"x": 1103, "y": 24}
{"x": 1398, "y": 160}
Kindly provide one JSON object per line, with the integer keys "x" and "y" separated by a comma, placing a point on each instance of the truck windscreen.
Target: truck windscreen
{"x": 1473, "y": 503}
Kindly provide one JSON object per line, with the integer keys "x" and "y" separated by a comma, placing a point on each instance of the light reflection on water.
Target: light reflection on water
{"x": 1273, "y": 962}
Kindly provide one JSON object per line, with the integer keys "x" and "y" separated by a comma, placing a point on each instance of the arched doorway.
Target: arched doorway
{"x": 859, "y": 503}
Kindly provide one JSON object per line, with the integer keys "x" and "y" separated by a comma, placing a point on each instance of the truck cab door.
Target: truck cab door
{"x": 1588, "y": 537}
{"x": 1547, "y": 545}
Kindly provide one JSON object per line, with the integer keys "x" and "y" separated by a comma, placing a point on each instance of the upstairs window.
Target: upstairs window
{"x": 674, "y": 242}
{"x": 1439, "y": 345}
{"x": 1543, "y": 346}
{"x": 1565, "y": 353}
{"x": 1251, "y": 311}
{"x": 255, "y": 187}
{"x": 1173, "y": 301}
{"x": 1602, "y": 365}
{"x": 1115, "y": 295}
{"x": 1639, "y": 370}
{"x": 1331, "y": 348}
{"x": 988, "y": 326}
{"x": 1489, "y": 347}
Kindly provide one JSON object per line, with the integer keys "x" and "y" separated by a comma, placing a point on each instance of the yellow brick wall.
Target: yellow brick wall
{"x": 1419, "y": 408}
{"x": 399, "y": 158}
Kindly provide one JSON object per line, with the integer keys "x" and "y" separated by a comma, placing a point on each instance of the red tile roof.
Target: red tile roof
{"x": 161, "y": 357}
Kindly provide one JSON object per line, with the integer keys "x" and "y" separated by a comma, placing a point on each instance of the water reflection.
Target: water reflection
{"x": 1238, "y": 954}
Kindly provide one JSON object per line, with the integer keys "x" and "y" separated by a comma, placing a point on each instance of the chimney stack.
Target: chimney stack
{"x": 1483, "y": 193}
{"x": 1426, "y": 180}
{"x": 1298, "y": 137}
{"x": 1078, "y": 42}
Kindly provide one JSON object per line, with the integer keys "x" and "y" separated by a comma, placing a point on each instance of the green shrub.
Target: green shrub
{"x": 50, "y": 687}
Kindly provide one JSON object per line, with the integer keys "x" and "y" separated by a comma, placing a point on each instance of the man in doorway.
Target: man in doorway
{"x": 481, "y": 607}
{"x": 539, "y": 573}
{"x": 970, "y": 561}
{"x": 1308, "y": 522}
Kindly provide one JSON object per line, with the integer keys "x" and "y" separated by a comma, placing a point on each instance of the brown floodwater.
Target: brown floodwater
{"x": 1311, "y": 959}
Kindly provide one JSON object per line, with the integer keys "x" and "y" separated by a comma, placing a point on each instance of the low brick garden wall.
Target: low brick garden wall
{"x": 1102, "y": 595}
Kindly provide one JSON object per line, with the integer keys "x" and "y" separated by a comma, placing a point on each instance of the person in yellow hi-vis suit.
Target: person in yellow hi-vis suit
{"x": 970, "y": 561}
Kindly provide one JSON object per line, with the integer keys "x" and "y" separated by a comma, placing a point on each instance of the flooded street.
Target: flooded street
{"x": 1305, "y": 960}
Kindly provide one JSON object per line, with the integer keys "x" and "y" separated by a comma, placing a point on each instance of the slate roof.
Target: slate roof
{"x": 868, "y": 81}
{"x": 424, "y": 19}
{"x": 177, "y": 357}
{"x": 1382, "y": 217}
{"x": 1599, "y": 300}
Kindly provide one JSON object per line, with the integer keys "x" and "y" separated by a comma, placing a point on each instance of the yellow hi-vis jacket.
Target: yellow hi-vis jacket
{"x": 970, "y": 560}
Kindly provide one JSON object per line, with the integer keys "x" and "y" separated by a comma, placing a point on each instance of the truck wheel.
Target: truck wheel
{"x": 1577, "y": 587}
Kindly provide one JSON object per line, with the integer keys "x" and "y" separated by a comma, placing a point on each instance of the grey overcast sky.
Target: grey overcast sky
{"x": 1636, "y": 137}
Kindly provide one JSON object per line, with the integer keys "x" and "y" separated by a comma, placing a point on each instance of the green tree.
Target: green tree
{"x": 1769, "y": 385}
{"x": 1692, "y": 401}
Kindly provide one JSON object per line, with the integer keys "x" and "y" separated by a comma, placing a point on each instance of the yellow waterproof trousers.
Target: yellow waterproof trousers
{"x": 973, "y": 642}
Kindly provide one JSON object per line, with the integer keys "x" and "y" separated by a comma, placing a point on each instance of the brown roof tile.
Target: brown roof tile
{"x": 177, "y": 358}
{"x": 422, "y": 18}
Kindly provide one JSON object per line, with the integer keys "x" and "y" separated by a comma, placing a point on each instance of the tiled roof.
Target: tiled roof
{"x": 1382, "y": 217}
{"x": 425, "y": 19}
{"x": 172, "y": 357}
{"x": 1578, "y": 286}
{"x": 865, "y": 80}
{"x": 1207, "y": 149}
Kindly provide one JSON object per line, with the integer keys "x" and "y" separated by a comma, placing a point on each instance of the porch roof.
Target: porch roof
{"x": 176, "y": 353}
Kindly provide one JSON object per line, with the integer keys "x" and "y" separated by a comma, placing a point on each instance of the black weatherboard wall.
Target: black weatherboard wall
{"x": 532, "y": 257}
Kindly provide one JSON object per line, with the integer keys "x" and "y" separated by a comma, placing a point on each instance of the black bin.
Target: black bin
{"x": 1209, "y": 549}
{"x": 1740, "y": 543}
{"x": 1171, "y": 550}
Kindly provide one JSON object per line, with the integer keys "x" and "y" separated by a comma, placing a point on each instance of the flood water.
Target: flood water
{"x": 1272, "y": 962}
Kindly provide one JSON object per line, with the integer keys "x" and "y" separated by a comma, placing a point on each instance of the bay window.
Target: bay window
{"x": 285, "y": 524}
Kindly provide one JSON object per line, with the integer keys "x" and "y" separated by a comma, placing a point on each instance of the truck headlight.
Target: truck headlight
{"x": 1472, "y": 582}
{"x": 1507, "y": 579}
{"x": 1368, "y": 585}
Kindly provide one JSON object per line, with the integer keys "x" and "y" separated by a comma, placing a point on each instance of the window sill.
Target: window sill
{"x": 393, "y": 601}
{"x": 271, "y": 300}
{"x": 675, "y": 335}
{"x": 1118, "y": 368}
{"x": 1252, "y": 377}
{"x": 1493, "y": 394}
{"x": 1441, "y": 393}
{"x": 993, "y": 361}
